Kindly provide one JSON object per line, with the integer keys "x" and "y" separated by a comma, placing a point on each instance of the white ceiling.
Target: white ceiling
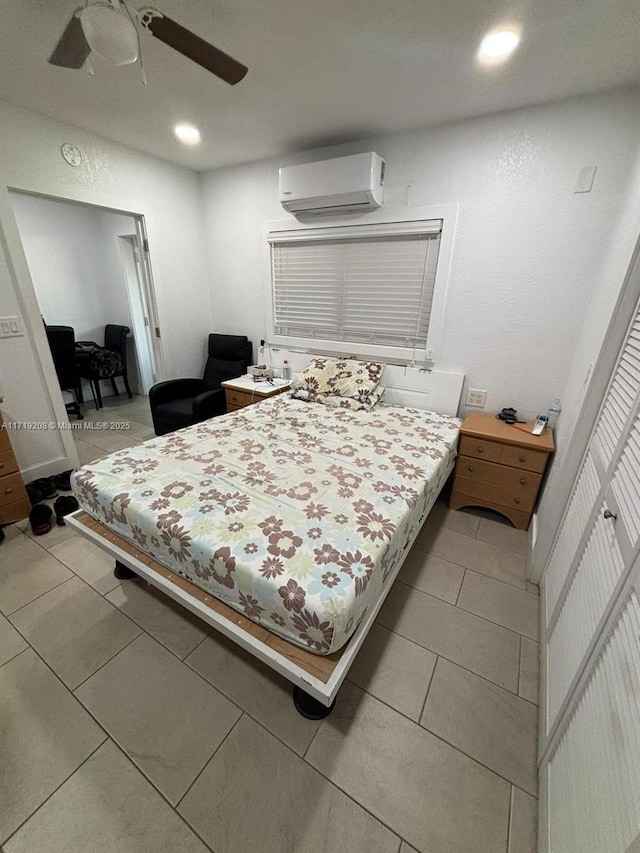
{"x": 320, "y": 71}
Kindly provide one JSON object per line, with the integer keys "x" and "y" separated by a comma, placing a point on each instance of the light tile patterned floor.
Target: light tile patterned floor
{"x": 131, "y": 727}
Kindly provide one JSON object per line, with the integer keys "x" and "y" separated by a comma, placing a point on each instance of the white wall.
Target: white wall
{"x": 60, "y": 243}
{"x": 121, "y": 179}
{"x": 527, "y": 253}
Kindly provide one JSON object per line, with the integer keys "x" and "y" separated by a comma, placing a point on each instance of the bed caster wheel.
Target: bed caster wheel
{"x": 309, "y": 707}
{"x": 123, "y": 573}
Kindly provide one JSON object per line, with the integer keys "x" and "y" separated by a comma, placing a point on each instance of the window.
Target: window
{"x": 367, "y": 285}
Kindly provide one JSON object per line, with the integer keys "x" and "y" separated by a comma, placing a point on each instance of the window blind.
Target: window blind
{"x": 377, "y": 289}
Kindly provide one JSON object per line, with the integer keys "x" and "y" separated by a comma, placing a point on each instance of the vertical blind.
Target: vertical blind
{"x": 377, "y": 289}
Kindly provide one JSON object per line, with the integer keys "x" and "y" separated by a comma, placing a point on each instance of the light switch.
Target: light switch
{"x": 11, "y": 327}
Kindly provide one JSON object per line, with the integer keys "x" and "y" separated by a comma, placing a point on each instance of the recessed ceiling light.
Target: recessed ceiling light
{"x": 497, "y": 46}
{"x": 187, "y": 133}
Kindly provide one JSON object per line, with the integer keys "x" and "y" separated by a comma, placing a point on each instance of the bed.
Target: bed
{"x": 283, "y": 524}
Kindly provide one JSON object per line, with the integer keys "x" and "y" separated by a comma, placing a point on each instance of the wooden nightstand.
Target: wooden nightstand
{"x": 243, "y": 391}
{"x": 14, "y": 501}
{"x": 500, "y": 467}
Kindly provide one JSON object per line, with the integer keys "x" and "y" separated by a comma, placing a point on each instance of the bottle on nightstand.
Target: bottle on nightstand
{"x": 553, "y": 413}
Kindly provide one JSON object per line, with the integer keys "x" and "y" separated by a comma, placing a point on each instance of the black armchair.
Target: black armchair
{"x": 181, "y": 402}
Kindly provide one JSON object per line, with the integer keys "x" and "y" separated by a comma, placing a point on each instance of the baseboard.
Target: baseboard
{"x": 47, "y": 469}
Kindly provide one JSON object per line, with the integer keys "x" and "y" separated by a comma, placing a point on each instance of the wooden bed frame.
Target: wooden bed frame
{"x": 316, "y": 678}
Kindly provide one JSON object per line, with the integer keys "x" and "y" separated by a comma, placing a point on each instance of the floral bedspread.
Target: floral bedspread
{"x": 292, "y": 513}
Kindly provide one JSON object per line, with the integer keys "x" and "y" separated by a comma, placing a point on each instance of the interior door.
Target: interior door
{"x": 590, "y": 651}
{"x": 132, "y": 262}
{"x": 150, "y": 300}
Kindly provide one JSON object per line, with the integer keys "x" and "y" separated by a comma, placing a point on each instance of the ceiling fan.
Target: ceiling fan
{"x": 108, "y": 28}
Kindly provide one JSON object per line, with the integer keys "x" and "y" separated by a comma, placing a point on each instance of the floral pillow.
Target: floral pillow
{"x": 315, "y": 379}
{"x": 352, "y": 403}
{"x": 346, "y": 383}
{"x": 356, "y": 379}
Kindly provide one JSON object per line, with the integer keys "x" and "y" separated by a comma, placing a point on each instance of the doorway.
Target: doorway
{"x": 90, "y": 267}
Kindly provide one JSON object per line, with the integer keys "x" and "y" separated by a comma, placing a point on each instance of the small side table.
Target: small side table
{"x": 244, "y": 391}
{"x": 500, "y": 467}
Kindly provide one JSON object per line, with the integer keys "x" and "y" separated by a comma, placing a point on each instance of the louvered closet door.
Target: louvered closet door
{"x": 591, "y": 587}
{"x": 590, "y": 734}
{"x": 590, "y": 554}
{"x": 592, "y": 779}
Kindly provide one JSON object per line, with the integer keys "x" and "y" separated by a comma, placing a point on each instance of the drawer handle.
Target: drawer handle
{"x": 470, "y": 468}
{"x": 522, "y": 458}
{"x": 481, "y": 450}
{"x": 8, "y": 491}
{"x": 523, "y": 481}
{"x": 517, "y": 500}
{"x": 608, "y": 514}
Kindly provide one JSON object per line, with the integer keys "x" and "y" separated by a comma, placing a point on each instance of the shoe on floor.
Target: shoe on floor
{"x": 63, "y": 506}
{"x": 42, "y": 489}
{"x": 40, "y": 518}
{"x": 33, "y": 494}
{"x": 63, "y": 481}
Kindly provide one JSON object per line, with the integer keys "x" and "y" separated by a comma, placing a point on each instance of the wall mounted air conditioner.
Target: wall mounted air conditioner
{"x": 343, "y": 185}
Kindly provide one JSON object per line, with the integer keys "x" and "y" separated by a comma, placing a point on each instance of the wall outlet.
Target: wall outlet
{"x": 476, "y": 398}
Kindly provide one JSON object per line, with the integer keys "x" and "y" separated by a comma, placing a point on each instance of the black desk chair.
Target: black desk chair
{"x": 181, "y": 402}
{"x": 115, "y": 339}
{"x": 107, "y": 362}
{"x": 62, "y": 343}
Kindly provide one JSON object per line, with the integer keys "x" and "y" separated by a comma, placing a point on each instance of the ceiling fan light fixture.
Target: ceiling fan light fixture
{"x": 110, "y": 33}
{"x": 497, "y": 46}
{"x": 187, "y": 133}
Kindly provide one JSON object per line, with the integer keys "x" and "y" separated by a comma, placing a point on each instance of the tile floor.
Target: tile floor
{"x": 128, "y": 726}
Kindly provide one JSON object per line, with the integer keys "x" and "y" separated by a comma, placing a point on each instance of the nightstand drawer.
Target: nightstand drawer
{"x": 521, "y": 457}
{"x": 237, "y": 398}
{"x": 521, "y": 500}
{"x": 480, "y": 448}
{"x": 8, "y": 464}
{"x": 15, "y": 511}
{"x": 501, "y": 475}
{"x": 11, "y": 489}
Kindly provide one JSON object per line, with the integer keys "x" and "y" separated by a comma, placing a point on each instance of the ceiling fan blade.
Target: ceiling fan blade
{"x": 72, "y": 50}
{"x": 195, "y": 48}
